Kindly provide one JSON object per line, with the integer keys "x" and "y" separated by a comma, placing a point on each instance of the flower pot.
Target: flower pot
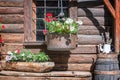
{"x": 28, "y": 66}
{"x": 61, "y": 42}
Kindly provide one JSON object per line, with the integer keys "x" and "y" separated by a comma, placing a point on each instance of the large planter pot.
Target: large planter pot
{"x": 28, "y": 66}
{"x": 61, "y": 42}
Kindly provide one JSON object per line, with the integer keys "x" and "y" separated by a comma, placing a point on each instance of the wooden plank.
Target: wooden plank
{"x": 48, "y": 74}
{"x": 42, "y": 78}
{"x": 10, "y": 47}
{"x": 11, "y": 10}
{"x": 84, "y": 27}
{"x": 12, "y": 37}
{"x": 117, "y": 27}
{"x": 15, "y": 18}
{"x": 13, "y": 28}
{"x": 110, "y": 7}
{"x": 81, "y": 49}
{"x": 73, "y": 58}
{"x": 100, "y": 12}
{"x": 73, "y": 67}
{"x": 90, "y": 39}
{"x": 91, "y": 30}
{"x": 28, "y": 20}
{"x": 11, "y": 3}
{"x": 90, "y": 4}
{"x": 85, "y": 49}
{"x": 96, "y": 21}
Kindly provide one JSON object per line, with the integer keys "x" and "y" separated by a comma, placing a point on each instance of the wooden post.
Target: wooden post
{"x": 117, "y": 28}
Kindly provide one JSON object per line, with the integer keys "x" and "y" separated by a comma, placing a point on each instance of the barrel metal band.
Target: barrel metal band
{"x": 117, "y": 72}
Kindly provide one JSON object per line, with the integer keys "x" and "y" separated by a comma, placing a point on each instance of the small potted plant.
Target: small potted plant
{"x": 61, "y": 34}
{"x": 25, "y": 60}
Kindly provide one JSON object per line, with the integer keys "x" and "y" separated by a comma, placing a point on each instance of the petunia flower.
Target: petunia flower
{"x": 17, "y": 51}
{"x": 1, "y": 40}
{"x": 45, "y": 32}
{"x": 3, "y": 27}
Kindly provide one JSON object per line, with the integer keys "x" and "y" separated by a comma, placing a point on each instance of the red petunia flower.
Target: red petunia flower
{"x": 49, "y": 14}
{"x": 1, "y": 40}
{"x": 45, "y": 32}
{"x": 47, "y": 19}
{"x": 3, "y": 27}
{"x": 17, "y": 51}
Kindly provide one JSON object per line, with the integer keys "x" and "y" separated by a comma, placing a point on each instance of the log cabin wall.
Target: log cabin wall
{"x": 95, "y": 19}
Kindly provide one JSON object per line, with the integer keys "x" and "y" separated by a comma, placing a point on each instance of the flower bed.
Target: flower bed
{"x": 25, "y": 60}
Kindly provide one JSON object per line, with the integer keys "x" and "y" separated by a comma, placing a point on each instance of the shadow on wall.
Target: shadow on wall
{"x": 98, "y": 20}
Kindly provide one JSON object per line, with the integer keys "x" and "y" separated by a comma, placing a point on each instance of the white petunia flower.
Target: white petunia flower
{"x": 8, "y": 58}
{"x": 79, "y": 22}
{"x": 69, "y": 21}
{"x": 9, "y": 53}
{"x": 23, "y": 54}
{"x": 72, "y": 28}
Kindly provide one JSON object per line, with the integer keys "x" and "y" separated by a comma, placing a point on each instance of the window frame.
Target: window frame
{"x": 29, "y": 31}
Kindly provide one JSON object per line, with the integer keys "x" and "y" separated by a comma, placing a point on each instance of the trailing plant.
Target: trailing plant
{"x": 27, "y": 56}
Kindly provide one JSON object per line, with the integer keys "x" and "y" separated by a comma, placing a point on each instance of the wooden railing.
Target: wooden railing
{"x": 116, "y": 15}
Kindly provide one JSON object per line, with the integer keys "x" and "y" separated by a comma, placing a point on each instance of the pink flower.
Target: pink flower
{"x": 17, "y": 51}
{"x": 49, "y": 14}
{"x": 1, "y": 41}
{"x": 3, "y": 27}
{"x": 45, "y": 32}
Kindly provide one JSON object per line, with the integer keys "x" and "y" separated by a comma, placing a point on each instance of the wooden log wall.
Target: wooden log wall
{"x": 95, "y": 20}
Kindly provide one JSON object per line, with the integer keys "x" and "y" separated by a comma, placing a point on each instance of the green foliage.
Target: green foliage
{"x": 66, "y": 26}
{"x": 27, "y": 56}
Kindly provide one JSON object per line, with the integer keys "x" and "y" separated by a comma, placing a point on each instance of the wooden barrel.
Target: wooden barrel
{"x": 107, "y": 67}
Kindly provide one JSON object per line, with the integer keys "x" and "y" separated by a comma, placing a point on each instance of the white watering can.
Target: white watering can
{"x": 105, "y": 48}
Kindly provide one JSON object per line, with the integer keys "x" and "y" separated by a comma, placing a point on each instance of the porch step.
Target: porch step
{"x": 81, "y": 74}
{"x": 42, "y": 78}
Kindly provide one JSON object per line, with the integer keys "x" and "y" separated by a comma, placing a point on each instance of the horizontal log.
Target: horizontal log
{"x": 92, "y": 30}
{"x": 48, "y": 74}
{"x": 96, "y": 21}
{"x": 73, "y": 67}
{"x": 85, "y": 49}
{"x": 81, "y": 49}
{"x": 13, "y": 28}
{"x": 85, "y": 27}
{"x": 83, "y": 3}
{"x": 12, "y": 37}
{"x": 15, "y": 18}
{"x": 42, "y": 78}
{"x": 96, "y": 12}
{"x": 10, "y": 47}
{"x": 90, "y": 39}
{"x": 73, "y": 58}
{"x": 11, "y": 3}
{"x": 11, "y": 10}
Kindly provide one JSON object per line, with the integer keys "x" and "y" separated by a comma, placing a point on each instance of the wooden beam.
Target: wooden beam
{"x": 28, "y": 20}
{"x": 111, "y": 9}
{"x": 117, "y": 28}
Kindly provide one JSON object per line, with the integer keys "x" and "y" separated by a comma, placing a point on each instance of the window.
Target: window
{"x": 39, "y": 9}
{"x": 35, "y": 11}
